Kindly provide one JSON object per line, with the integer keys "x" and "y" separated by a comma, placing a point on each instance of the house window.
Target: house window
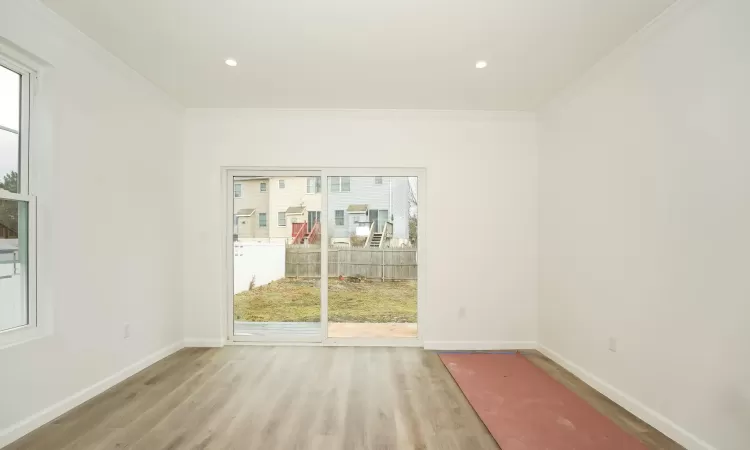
{"x": 18, "y": 307}
{"x": 341, "y": 184}
{"x": 282, "y": 219}
{"x": 237, "y": 190}
{"x": 262, "y": 221}
{"x": 339, "y": 217}
{"x": 263, "y": 186}
{"x": 313, "y": 185}
{"x": 282, "y": 184}
{"x": 378, "y": 180}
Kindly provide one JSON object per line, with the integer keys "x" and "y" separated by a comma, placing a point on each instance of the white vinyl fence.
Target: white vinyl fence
{"x": 263, "y": 260}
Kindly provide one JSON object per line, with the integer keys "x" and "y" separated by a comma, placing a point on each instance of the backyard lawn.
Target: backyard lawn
{"x": 290, "y": 300}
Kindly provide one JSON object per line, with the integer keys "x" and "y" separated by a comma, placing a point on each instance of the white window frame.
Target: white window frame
{"x": 282, "y": 184}
{"x": 378, "y": 181}
{"x": 282, "y": 223}
{"x": 317, "y": 186}
{"x": 340, "y": 184}
{"x": 262, "y": 225}
{"x": 39, "y": 317}
{"x": 263, "y": 186}
{"x": 343, "y": 218}
{"x": 235, "y": 190}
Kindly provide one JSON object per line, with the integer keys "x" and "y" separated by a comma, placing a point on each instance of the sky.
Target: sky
{"x": 10, "y": 85}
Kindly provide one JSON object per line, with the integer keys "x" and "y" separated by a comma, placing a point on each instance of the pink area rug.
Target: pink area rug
{"x": 525, "y": 409}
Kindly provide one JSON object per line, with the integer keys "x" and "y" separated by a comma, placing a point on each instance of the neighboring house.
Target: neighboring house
{"x": 293, "y": 202}
{"x": 251, "y": 214}
{"x": 287, "y": 208}
{"x": 355, "y": 203}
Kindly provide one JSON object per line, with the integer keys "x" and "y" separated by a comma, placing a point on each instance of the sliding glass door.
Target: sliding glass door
{"x": 283, "y": 225}
{"x": 276, "y": 256}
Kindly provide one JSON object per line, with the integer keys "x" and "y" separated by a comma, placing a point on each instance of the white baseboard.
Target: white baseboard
{"x": 203, "y": 342}
{"x": 25, "y": 426}
{"x": 479, "y": 345}
{"x": 648, "y": 415}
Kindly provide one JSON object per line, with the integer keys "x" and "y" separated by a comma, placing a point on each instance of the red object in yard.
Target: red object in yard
{"x": 314, "y": 236}
{"x": 341, "y": 278}
{"x": 526, "y": 409}
{"x": 298, "y": 232}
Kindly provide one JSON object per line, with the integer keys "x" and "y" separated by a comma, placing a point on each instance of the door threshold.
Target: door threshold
{"x": 338, "y": 342}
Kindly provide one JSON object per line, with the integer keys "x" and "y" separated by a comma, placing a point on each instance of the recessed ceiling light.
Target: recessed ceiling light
{"x": 481, "y": 64}
{"x": 231, "y": 62}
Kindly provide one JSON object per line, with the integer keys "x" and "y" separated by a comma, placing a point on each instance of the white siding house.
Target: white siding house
{"x": 292, "y": 200}
{"x": 289, "y": 202}
{"x": 358, "y": 201}
{"x": 268, "y": 208}
{"x": 251, "y": 215}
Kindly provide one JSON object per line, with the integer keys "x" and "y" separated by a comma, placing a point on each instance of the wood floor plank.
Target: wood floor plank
{"x": 284, "y": 398}
{"x": 275, "y": 398}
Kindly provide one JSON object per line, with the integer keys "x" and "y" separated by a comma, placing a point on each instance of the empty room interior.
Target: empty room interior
{"x": 361, "y": 224}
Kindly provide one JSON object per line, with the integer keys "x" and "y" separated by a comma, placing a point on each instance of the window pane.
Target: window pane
{"x": 339, "y": 218}
{"x": 277, "y": 268}
{"x": 8, "y": 161}
{"x": 237, "y": 190}
{"x": 313, "y": 185}
{"x": 335, "y": 184}
{"x": 10, "y": 99}
{"x": 281, "y": 184}
{"x": 262, "y": 187}
{"x": 14, "y": 306}
{"x": 372, "y": 258}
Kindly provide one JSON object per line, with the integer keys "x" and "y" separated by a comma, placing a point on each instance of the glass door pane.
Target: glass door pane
{"x": 372, "y": 257}
{"x": 277, "y": 255}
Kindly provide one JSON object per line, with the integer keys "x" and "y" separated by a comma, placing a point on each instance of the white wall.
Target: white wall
{"x": 265, "y": 261}
{"x": 645, "y": 224}
{"x": 476, "y": 294}
{"x": 107, "y": 172}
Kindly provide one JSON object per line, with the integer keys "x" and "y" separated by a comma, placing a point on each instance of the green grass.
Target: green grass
{"x": 290, "y": 300}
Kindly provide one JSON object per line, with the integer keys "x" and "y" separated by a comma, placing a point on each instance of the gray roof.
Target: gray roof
{"x": 357, "y": 209}
{"x": 245, "y": 212}
{"x": 295, "y": 210}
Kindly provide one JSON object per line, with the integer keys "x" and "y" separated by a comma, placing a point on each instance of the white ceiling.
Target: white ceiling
{"x": 389, "y": 54}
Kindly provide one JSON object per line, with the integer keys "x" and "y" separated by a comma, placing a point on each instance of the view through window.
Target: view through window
{"x": 276, "y": 297}
{"x": 14, "y": 208}
{"x": 372, "y": 257}
{"x": 278, "y": 245}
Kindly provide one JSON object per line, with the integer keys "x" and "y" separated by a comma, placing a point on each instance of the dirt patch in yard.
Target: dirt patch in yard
{"x": 290, "y": 300}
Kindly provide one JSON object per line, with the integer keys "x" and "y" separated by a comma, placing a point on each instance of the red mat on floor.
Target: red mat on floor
{"x": 525, "y": 409}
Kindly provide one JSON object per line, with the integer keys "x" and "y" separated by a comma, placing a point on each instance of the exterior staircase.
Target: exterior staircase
{"x": 382, "y": 239}
{"x": 308, "y": 237}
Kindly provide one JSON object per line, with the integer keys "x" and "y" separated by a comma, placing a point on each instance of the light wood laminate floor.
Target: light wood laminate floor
{"x": 276, "y": 398}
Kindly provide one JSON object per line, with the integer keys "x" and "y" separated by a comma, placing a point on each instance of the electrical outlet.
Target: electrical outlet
{"x": 612, "y": 344}
{"x": 126, "y": 331}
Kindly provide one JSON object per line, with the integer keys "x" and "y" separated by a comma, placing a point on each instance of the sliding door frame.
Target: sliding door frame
{"x": 228, "y": 174}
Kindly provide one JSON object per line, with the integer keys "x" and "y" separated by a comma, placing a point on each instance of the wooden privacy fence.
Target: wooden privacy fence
{"x": 372, "y": 263}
